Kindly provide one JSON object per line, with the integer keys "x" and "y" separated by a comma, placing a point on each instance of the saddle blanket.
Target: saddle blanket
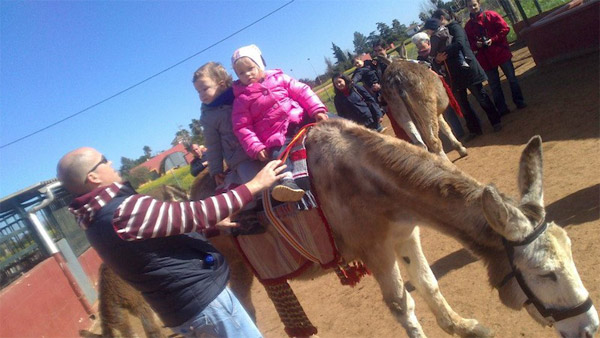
{"x": 274, "y": 260}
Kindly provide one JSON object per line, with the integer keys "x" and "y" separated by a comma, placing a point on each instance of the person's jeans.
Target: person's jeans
{"x": 224, "y": 317}
{"x": 454, "y": 122}
{"x": 494, "y": 81}
{"x": 473, "y": 123}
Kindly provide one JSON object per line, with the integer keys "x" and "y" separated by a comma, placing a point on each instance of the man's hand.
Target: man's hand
{"x": 262, "y": 156}
{"x": 321, "y": 117}
{"x": 488, "y": 42}
{"x": 376, "y": 87}
{"x": 226, "y": 225}
{"x": 265, "y": 178}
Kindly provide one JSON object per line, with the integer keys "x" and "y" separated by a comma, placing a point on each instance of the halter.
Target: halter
{"x": 554, "y": 314}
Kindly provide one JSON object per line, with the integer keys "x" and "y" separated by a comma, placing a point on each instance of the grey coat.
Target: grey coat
{"x": 220, "y": 141}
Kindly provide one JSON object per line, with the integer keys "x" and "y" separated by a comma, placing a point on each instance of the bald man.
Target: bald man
{"x": 159, "y": 247}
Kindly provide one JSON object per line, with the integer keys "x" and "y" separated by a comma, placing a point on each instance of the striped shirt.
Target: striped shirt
{"x": 142, "y": 217}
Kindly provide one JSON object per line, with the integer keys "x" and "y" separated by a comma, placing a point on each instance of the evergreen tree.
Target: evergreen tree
{"x": 371, "y": 39}
{"x": 385, "y": 32}
{"x": 330, "y": 70}
{"x": 147, "y": 152}
{"x": 339, "y": 54}
{"x": 360, "y": 43}
{"x": 197, "y": 135}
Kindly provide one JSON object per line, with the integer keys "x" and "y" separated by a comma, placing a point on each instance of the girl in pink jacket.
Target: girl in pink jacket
{"x": 269, "y": 108}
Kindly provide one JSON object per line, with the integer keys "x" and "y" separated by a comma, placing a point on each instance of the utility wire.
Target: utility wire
{"x": 150, "y": 77}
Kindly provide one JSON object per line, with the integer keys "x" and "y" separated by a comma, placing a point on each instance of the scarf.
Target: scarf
{"x": 226, "y": 97}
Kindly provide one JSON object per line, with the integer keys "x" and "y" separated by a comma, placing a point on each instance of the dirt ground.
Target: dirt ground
{"x": 563, "y": 108}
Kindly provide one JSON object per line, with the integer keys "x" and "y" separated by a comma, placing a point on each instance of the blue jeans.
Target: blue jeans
{"x": 494, "y": 81}
{"x": 224, "y": 317}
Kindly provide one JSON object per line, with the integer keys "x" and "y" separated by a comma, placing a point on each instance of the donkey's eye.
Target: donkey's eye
{"x": 550, "y": 275}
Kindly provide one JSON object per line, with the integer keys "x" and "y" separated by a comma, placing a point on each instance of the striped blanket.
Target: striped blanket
{"x": 272, "y": 257}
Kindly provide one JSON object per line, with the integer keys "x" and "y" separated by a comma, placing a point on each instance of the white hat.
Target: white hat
{"x": 250, "y": 51}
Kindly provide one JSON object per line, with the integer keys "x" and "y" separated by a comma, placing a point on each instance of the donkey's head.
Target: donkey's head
{"x": 542, "y": 276}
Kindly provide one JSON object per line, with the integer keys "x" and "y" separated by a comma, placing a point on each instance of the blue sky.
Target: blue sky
{"x": 59, "y": 57}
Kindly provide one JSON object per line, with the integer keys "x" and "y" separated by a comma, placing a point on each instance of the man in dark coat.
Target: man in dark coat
{"x": 466, "y": 78}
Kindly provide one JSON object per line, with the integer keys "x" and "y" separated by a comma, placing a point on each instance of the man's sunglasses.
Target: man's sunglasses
{"x": 103, "y": 160}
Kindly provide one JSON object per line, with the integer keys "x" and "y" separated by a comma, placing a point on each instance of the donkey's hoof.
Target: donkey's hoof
{"x": 480, "y": 331}
{"x": 462, "y": 151}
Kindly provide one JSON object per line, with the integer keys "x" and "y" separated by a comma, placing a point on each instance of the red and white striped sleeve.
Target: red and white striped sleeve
{"x": 143, "y": 217}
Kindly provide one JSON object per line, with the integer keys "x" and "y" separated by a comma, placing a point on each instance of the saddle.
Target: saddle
{"x": 296, "y": 235}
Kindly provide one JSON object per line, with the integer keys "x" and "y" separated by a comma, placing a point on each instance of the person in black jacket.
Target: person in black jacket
{"x": 159, "y": 247}
{"x": 466, "y": 78}
{"x": 354, "y": 102}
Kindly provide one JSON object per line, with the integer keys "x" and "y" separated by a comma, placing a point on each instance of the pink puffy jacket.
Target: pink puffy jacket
{"x": 262, "y": 111}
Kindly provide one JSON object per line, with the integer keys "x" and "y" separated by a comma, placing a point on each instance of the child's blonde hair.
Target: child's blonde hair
{"x": 215, "y": 71}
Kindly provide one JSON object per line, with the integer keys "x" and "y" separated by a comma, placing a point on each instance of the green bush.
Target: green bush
{"x": 180, "y": 177}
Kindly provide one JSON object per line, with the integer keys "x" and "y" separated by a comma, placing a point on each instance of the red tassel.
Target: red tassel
{"x": 351, "y": 274}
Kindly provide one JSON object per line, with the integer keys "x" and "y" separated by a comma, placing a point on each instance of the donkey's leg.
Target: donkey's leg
{"x": 409, "y": 251}
{"x": 399, "y": 112}
{"x": 445, "y": 128}
{"x": 430, "y": 134}
{"x": 382, "y": 263}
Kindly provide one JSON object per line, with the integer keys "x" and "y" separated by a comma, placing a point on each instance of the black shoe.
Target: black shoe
{"x": 504, "y": 112}
{"x": 521, "y": 105}
{"x": 287, "y": 191}
{"x": 497, "y": 127}
{"x": 469, "y": 137}
{"x": 249, "y": 224}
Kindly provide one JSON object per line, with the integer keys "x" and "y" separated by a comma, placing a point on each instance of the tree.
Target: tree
{"x": 197, "y": 134}
{"x": 385, "y": 32}
{"x": 126, "y": 165}
{"x": 429, "y": 6}
{"x": 330, "y": 70}
{"x": 147, "y": 152}
{"x": 399, "y": 31}
{"x": 139, "y": 176}
{"x": 182, "y": 135}
{"x": 339, "y": 54}
{"x": 360, "y": 43}
{"x": 372, "y": 38}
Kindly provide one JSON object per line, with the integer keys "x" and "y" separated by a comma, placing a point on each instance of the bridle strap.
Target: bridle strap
{"x": 556, "y": 315}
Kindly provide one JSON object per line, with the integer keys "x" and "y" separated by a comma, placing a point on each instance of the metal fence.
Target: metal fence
{"x": 20, "y": 246}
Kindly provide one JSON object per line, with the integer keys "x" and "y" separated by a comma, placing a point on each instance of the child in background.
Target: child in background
{"x": 269, "y": 108}
{"x": 366, "y": 72}
{"x": 213, "y": 84}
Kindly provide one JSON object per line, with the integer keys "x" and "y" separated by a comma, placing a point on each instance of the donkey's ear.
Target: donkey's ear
{"x": 505, "y": 219}
{"x": 531, "y": 173}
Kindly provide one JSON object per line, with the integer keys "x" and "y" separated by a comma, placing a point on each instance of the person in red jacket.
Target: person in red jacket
{"x": 487, "y": 31}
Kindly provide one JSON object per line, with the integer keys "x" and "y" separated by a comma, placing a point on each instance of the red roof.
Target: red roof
{"x": 153, "y": 164}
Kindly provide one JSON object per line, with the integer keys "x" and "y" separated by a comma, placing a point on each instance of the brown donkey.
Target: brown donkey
{"x": 116, "y": 298}
{"x": 417, "y": 99}
{"x": 528, "y": 258}
{"x": 407, "y": 186}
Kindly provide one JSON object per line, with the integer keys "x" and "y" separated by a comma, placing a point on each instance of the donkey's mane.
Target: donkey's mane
{"x": 407, "y": 163}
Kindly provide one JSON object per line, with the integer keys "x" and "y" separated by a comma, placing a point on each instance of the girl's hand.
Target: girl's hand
{"x": 262, "y": 156}
{"x": 321, "y": 117}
